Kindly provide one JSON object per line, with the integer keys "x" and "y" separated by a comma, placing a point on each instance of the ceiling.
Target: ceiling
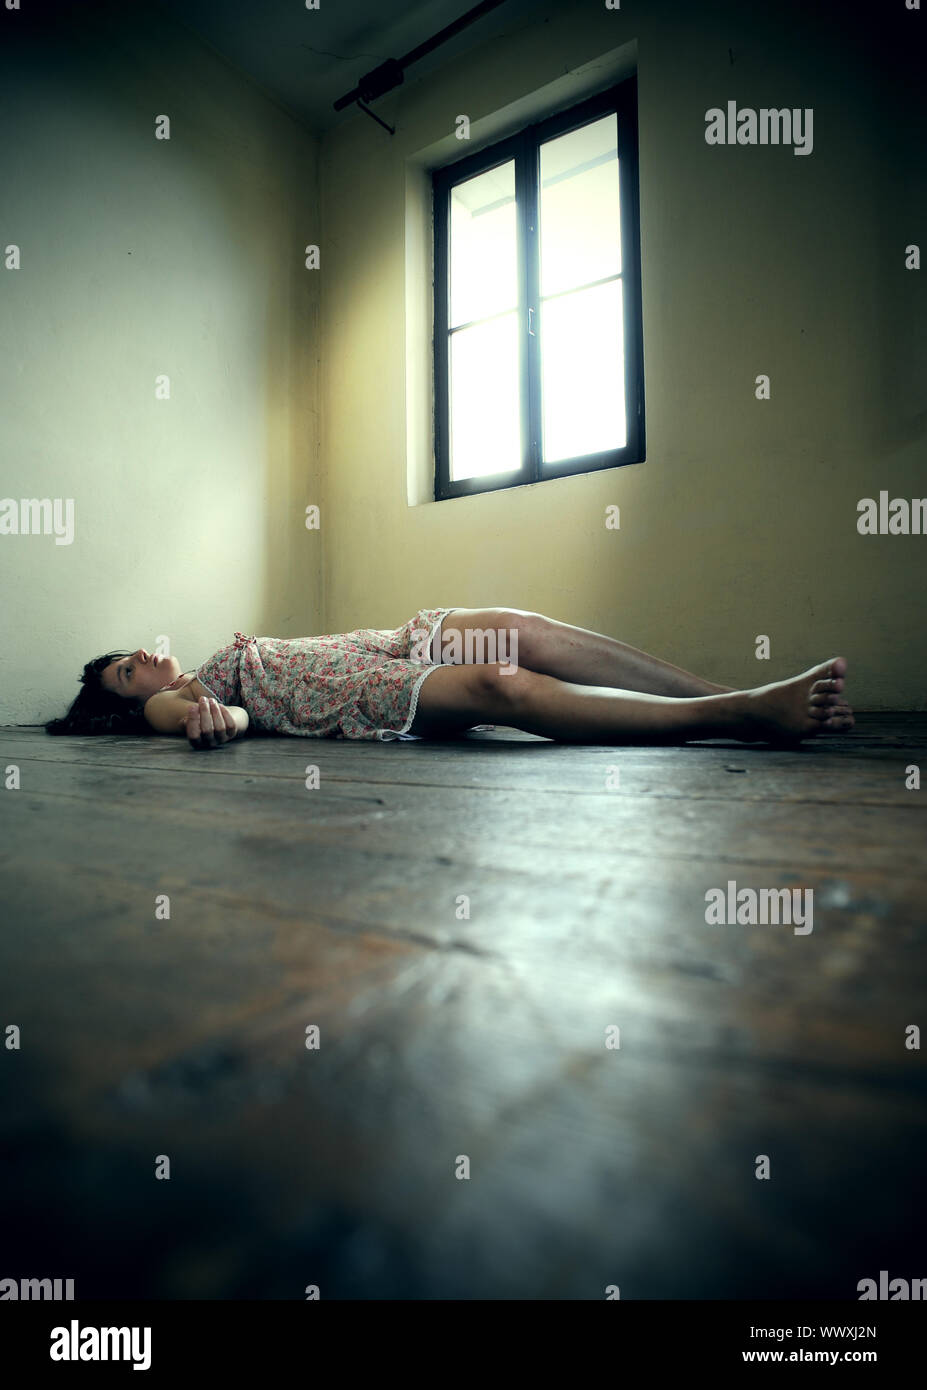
{"x": 305, "y": 59}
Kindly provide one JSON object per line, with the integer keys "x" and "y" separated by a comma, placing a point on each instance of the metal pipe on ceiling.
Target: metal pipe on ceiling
{"x": 390, "y": 74}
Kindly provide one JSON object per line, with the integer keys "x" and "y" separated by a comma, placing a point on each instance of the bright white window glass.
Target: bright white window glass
{"x": 581, "y": 329}
{"x": 578, "y": 203}
{"x": 484, "y": 399}
{"x": 483, "y": 246}
{"x": 582, "y": 373}
{"x": 485, "y": 411}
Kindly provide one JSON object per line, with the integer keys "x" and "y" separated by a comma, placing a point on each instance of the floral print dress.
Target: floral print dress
{"x": 361, "y": 684}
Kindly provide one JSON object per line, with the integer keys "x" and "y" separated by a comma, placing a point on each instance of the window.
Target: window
{"x": 538, "y": 338}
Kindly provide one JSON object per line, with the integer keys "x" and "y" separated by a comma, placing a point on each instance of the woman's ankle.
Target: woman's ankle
{"x": 725, "y": 715}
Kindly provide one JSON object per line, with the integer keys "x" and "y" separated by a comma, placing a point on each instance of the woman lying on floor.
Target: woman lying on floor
{"x": 443, "y": 672}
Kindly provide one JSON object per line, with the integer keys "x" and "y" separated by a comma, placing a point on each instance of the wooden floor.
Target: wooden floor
{"x": 455, "y": 1040}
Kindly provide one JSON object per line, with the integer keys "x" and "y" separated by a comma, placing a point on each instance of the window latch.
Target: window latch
{"x": 530, "y": 329}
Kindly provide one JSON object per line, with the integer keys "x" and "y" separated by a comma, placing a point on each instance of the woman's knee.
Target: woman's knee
{"x": 454, "y": 698}
{"x": 494, "y": 635}
{"x": 501, "y": 686}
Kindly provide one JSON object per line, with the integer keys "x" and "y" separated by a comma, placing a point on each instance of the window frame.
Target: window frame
{"x": 524, "y": 148}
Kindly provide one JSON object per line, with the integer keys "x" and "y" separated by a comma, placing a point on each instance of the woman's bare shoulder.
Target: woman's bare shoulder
{"x": 186, "y": 686}
{"x": 166, "y": 710}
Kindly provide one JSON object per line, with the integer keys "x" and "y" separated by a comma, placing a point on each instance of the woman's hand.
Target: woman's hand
{"x": 209, "y": 724}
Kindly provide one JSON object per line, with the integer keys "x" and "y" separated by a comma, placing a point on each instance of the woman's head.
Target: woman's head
{"x": 115, "y": 688}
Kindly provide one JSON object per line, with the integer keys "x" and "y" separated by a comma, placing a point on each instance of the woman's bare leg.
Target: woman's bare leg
{"x": 457, "y": 697}
{"x": 569, "y": 653}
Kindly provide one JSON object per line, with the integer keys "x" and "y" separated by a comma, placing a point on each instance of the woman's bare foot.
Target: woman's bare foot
{"x": 803, "y": 707}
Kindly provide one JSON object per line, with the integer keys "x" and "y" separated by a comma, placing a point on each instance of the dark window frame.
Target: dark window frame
{"x": 523, "y": 147}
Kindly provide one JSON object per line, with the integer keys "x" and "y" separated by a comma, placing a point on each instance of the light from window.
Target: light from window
{"x": 580, "y": 323}
{"x": 581, "y": 338}
{"x": 484, "y": 387}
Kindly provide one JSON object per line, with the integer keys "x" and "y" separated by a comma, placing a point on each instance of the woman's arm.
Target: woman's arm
{"x": 206, "y": 723}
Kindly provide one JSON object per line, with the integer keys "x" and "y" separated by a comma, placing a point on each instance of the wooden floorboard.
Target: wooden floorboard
{"x": 448, "y": 1033}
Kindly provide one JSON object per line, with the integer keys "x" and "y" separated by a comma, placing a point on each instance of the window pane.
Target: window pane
{"x": 483, "y": 246}
{"x": 582, "y": 373}
{"x": 485, "y": 415}
{"x": 578, "y": 204}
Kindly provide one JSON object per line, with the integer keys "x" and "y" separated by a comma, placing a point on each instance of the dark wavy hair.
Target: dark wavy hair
{"x": 96, "y": 710}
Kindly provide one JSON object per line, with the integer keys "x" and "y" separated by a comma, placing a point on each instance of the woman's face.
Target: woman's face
{"x": 140, "y": 675}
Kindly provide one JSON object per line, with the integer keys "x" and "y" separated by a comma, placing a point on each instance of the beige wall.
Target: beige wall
{"x": 142, "y": 257}
{"x": 742, "y": 521}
